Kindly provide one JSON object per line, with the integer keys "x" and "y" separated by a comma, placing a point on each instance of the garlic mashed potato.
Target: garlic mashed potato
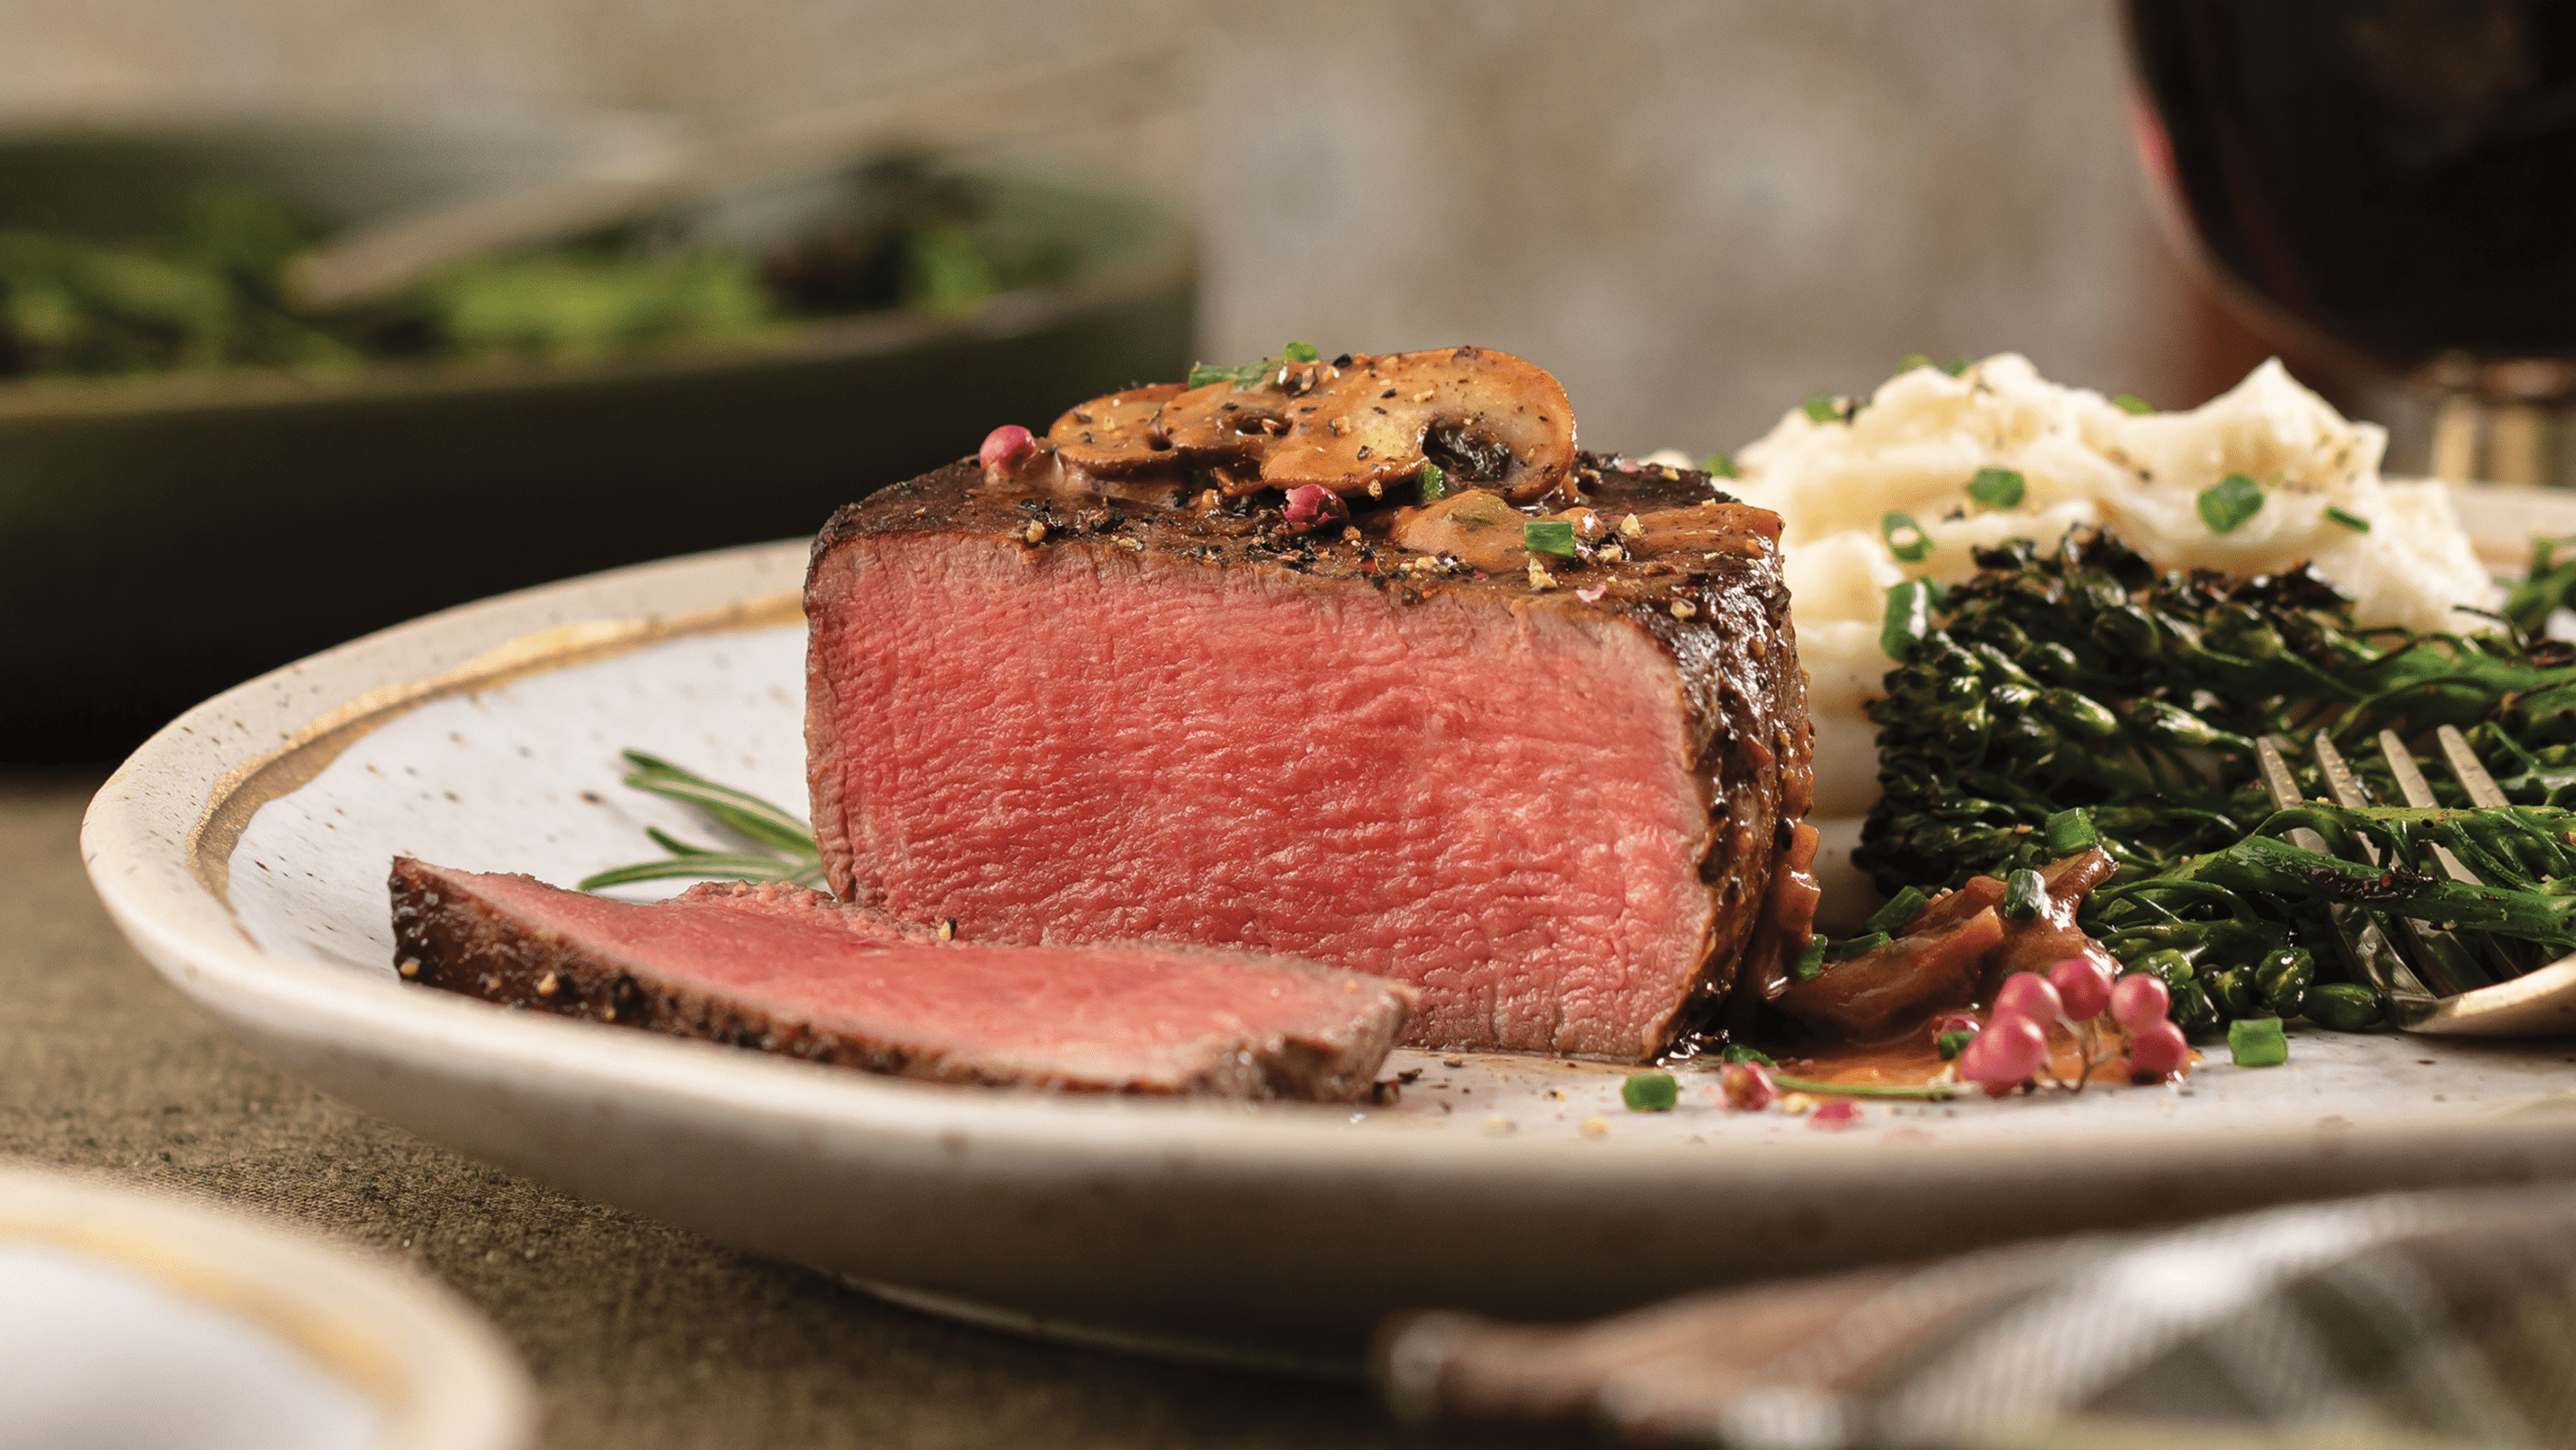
{"x": 1916, "y": 444}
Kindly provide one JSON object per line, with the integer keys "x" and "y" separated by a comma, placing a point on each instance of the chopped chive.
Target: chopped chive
{"x": 1933, "y": 1092}
{"x": 2228, "y": 503}
{"x": 1905, "y": 538}
{"x": 1650, "y": 1092}
{"x": 1911, "y": 361}
{"x": 1853, "y": 946}
{"x": 1548, "y": 536}
{"x": 1999, "y": 488}
{"x": 1738, "y": 1052}
{"x": 1434, "y": 483}
{"x": 1812, "y": 960}
{"x": 1958, "y": 365}
{"x": 1908, "y": 619}
{"x": 2070, "y": 831}
{"x": 2025, "y": 895}
{"x": 1718, "y": 465}
{"x": 1299, "y": 352}
{"x": 2257, "y": 1042}
{"x": 2132, "y": 403}
{"x": 1900, "y": 909}
{"x": 1822, "y": 408}
{"x": 1951, "y": 1042}
{"x": 1247, "y": 376}
{"x": 2352, "y": 521}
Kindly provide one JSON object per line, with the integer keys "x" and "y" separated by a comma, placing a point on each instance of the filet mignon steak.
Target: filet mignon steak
{"x": 1549, "y": 797}
{"x": 789, "y": 970}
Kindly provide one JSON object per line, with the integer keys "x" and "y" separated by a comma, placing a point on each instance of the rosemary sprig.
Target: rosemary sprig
{"x": 787, "y": 853}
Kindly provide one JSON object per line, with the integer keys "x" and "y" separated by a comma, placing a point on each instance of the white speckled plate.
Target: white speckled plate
{"x": 244, "y": 850}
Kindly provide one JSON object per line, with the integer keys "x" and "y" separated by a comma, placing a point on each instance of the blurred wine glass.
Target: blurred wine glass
{"x": 2390, "y": 181}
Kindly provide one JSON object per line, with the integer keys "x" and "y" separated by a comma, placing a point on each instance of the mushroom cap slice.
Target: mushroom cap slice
{"x": 1222, "y": 421}
{"x": 1489, "y": 419}
{"x": 1116, "y": 434}
{"x": 1700, "y": 528}
{"x": 1477, "y": 526}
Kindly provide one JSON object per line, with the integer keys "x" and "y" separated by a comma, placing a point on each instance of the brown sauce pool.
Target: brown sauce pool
{"x": 1914, "y": 1060}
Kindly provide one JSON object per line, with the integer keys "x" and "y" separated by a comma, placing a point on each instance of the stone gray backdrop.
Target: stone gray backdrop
{"x": 1694, "y": 211}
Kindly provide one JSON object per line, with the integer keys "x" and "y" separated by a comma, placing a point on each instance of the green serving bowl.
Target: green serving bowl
{"x": 162, "y": 538}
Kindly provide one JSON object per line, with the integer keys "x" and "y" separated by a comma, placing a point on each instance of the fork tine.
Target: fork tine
{"x": 2465, "y": 768}
{"x": 2340, "y": 782}
{"x": 2443, "y": 962}
{"x": 2341, "y": 787}
{"x": 2367, "y": 950}
{"x": 2282, "y": 787}
{"x": 2410, "y": 777}
{"x": 2500, "y": 955}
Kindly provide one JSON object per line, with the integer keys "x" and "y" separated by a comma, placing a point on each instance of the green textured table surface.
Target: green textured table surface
{"x": 639, "y": 1335}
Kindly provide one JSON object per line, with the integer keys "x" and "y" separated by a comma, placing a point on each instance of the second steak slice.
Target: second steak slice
{"x": 1553, "y": 805}
{"x": 789, "y": 971}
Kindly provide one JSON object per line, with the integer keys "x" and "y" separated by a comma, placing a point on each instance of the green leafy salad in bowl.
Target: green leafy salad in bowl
{"x": 211, "y": 288}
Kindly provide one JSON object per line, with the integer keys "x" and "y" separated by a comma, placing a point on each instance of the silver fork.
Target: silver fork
{"x": 2444, "y": 963}
{"x": 2506, "y": 959}
{"x": 2365, "y": 946}
{"x": 2537, "y": 1002}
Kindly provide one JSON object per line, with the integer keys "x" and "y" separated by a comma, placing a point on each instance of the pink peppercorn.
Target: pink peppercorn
{"x": 1312, "y": 504}
{"x": 2082, "y": 986}
{"x": 2028, "y": 994}
{"x": 2010, "y": 1050}
{"x": 2159, "y": 1050}
{"x": 2139, "y": 1002}
{"x": 1749, "y": 1086}
{"x": 1005, "y": 445}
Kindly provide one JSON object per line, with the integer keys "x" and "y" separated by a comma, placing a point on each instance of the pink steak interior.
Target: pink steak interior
{"x": 1074, "y": 745}
{"x": 1113, "y": 1013}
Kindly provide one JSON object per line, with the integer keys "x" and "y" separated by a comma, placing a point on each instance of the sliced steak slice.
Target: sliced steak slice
{"x": 1549, "y": 799}
{"x": 787, "y": 970}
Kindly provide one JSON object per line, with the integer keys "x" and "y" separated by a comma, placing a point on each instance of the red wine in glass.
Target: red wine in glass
{"x": 2396, "y": 177}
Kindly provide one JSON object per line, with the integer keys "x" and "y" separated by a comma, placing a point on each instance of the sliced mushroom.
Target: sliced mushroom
{"x": 1222, "y": 422}
{"x": 2052, "y": 936}
{"x": 1490, "y": 420}
{"x": 1356, "y": 425}
{"x": 1891, "y": 988}
{"x": 1116, "y": 434}
{"x": 1711, "y": 527}
{"x": 1483, "y": 529}
{"x": 1477, "y": 525}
